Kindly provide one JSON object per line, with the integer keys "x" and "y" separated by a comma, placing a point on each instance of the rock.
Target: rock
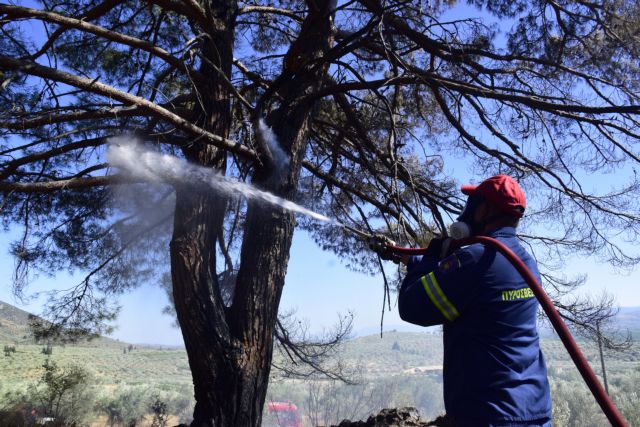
{"x": 396, "y": 417}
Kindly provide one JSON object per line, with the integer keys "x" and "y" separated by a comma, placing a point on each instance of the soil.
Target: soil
{"x": 396, "y": 417}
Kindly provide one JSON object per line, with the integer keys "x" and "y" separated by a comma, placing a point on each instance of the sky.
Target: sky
{"x": 319, "y": 287}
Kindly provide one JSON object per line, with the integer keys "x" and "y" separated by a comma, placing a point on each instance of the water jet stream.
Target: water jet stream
{"x": 150, "y": 165}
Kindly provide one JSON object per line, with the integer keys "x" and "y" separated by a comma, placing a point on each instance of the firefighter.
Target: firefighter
{"x": 494, "y": 373}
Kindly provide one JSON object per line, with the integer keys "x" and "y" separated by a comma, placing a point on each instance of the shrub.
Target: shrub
{"x": 159, "y": 411}
{"x": 8, "y": 350}
{"x": 63, "y": 393}
{"x": 48, "y": 350}
{"x": 126, "y": 408}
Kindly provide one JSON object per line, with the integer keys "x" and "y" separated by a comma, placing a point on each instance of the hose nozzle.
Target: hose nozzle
{"x": 384, "y": 247}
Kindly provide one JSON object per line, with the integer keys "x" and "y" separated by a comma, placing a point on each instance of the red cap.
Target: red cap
{"x": 503, "y": 192}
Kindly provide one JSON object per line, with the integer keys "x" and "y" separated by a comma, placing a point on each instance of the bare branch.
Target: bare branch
{"x": 64, "y": 184}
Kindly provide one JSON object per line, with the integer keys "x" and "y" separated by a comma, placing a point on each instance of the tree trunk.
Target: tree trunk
{"x": 197, "y": 221}
{"x": 604, "y": 369}
{"x": 230, "y": 348}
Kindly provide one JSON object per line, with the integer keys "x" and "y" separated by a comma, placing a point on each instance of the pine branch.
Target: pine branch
{"x": 67, "y": 22}
{"x": 94, "y": 86}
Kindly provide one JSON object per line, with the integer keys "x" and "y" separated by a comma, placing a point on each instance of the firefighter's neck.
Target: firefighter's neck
{"x": 491, "y": 218}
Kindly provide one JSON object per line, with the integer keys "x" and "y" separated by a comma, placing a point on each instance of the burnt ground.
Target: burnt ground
{"x": 396, "y": 417}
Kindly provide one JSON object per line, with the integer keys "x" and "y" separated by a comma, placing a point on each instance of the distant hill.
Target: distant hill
{"x": 393, "y": 327}
{"x": 366, "y": 342}
{"x": 629, "y": 318}
{"x": 14, "y": 328}
{"x": 14, "y": 323}
{"x": 402, "y": 351}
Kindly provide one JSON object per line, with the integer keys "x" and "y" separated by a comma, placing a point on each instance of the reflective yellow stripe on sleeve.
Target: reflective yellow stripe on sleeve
{"x": 438, "y": 298}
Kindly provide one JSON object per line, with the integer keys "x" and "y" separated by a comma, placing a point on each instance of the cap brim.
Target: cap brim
{"x": 469, "y": 190}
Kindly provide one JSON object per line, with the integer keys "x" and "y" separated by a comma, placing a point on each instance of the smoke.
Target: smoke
{"x": 280, "y": 158}
{"x": 139, "y": 162}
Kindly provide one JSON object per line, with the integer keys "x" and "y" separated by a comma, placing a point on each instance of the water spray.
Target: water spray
{"x": 140, "y": 162}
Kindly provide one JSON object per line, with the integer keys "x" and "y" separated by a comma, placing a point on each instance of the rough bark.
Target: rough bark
{"x": 230, "y": 348}
{"x": 198, "y": 217}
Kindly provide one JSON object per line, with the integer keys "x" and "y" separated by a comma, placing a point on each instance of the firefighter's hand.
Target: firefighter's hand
{"x": 380, "y": 245}
{"x": 438, "y": 247}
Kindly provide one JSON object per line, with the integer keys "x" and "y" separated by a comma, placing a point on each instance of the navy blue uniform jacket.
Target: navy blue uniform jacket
{"x": 494, "y": 372}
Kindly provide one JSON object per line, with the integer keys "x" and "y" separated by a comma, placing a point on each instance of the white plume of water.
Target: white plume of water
{"x": 138, "y": 161}
{"x": 280, "y": 158}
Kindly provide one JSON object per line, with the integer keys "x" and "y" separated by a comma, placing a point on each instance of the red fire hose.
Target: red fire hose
{"x": 581, "y": 363}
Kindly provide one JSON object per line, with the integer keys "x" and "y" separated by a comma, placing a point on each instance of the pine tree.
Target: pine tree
{"x": 366, "y": 99}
